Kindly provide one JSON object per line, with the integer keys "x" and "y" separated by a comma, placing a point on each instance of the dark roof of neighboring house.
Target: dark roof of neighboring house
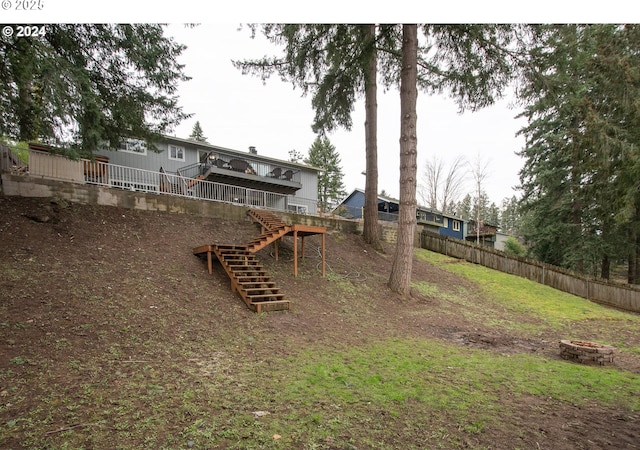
{"x": 393, "y": 200}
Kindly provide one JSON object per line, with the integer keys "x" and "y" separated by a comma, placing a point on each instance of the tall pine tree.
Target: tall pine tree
{"x": 197, "y": 134}
{"x": 323, "y": 155}
{"x": 582, "y": 146}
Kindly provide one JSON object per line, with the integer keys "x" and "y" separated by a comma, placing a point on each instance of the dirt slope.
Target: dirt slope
{"x": 97, "y": 273}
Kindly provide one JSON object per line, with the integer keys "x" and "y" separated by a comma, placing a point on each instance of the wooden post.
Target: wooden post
{"x": 323, "y": 255}
{"x": 209, "y": 262}
{"x": 295, "y": 253}
{"x": 275, "y": 248}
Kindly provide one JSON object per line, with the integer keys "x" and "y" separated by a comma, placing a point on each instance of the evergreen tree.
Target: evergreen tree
{"x": 295, "y": 156}
{"x": 323, "y": 155}
{"x": 197, "y": 134}
{"x": 582, "y": 145}
{"x": 510, "y": 217}
{"x": 492, "y": 215}
{"x": 84, "y": 84}
{"x": 335, "y": 63}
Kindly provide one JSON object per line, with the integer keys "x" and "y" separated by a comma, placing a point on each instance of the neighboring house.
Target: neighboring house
{"x": 501, "y": 239}
{"x": 487, "y": 233}
{"x": 444, "y": 224}
{"x": 201, "y": 160}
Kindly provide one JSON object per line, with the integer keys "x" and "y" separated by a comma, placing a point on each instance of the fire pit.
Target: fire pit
{"x": 587, "y": 352}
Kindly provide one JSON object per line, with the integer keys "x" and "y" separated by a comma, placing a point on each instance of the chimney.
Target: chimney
{"x": 253, "y": 150}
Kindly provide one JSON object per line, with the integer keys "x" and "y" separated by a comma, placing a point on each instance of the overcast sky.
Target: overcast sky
{"x": 238, "y": 111}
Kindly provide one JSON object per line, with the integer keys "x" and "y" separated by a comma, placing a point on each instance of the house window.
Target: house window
{"x": 176, "y": 153}
{"x": 298, "y": 209}
{"x": 136, "y": 146}
{"x": 455, "y": 225}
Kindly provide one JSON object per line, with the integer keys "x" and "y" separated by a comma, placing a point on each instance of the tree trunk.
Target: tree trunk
{"x": 637, "y": 268}
{"x": 605, "y": 270}
{"x": 400, "y": 279}
{"x": 633, "y": 254}
{"x": 371, "y": 234}
{"x": 631, "y": 272}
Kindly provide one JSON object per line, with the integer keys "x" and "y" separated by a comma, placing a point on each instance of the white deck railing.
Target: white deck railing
{"x": 46, "y": 165}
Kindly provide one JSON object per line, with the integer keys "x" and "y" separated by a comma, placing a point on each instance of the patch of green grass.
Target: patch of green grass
{"x": 444, "y": 377}
{"x": 524, "y": 296}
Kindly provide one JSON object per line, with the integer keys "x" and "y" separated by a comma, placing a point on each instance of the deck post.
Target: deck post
{"x": 295, "y": 253}
{"x": 209, "y": 262}
{"x": 323, "y": 234}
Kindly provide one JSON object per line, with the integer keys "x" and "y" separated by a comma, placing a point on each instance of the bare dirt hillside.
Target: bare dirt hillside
{"x": 76, "y": 279}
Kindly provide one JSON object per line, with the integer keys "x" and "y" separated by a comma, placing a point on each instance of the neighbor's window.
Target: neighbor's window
{"x": 455, "y": 224}
{"x": 136, "y": 146}
{"x": 176, "y": 152}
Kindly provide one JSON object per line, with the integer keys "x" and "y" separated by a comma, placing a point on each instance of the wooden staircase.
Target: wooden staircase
{"x": 273, "y": 228}
{"x": 248, "y": 277}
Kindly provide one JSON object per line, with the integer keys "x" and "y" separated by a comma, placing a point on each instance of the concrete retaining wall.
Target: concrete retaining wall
{"x": 29, "y": 186}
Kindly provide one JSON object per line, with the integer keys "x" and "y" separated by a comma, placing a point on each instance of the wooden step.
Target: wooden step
{"x": 230, "y": 247}
{"x": 257, "y": 290}
{"x": 244, "y": 264}
{"x": 279, "y": 305}
{"x": 240, "y": 272}
{"x": 252, "y": 278}
{"x": 259, "y": 285}
{"x": 265, "y": 297}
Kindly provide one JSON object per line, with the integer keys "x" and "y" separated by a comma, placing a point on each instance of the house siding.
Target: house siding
{"x": 450, "y": 232}
{"x": 354, "y": 204}
{"x": 152, "y": 160}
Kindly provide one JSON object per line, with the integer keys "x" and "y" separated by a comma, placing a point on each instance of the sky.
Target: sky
{"x": 237, "y": 111}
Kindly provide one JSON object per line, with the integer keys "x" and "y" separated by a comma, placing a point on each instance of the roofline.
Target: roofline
{"x": 239, "y": 152}
{"x": 423, "y": 208}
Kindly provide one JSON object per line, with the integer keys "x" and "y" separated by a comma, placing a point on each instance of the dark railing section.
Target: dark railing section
{"x": 249, "y": 166}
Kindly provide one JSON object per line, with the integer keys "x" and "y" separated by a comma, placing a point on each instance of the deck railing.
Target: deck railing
{"x": 182, "y": 184}
{"x": 9, "y": 160}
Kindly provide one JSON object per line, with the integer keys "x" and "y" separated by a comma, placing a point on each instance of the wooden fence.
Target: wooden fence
{"x": 625, "y": 297}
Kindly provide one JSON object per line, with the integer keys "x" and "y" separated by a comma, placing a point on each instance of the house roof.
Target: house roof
{"x": 393, "y": 200}
{"x": 244, "y": 154}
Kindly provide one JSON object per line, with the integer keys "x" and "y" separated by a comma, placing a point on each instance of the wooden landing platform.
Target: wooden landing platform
{"x": 301, "y": 231}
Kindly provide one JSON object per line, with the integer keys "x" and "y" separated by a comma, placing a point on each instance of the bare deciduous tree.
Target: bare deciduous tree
{"x": 441, "y": 191}
{"x": 479, "y": 170}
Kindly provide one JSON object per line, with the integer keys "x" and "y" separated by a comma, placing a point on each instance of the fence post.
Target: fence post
{"x": 587, "y": 280}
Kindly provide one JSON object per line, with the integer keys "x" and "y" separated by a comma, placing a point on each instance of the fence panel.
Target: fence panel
{"x": 54, "y": 166}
